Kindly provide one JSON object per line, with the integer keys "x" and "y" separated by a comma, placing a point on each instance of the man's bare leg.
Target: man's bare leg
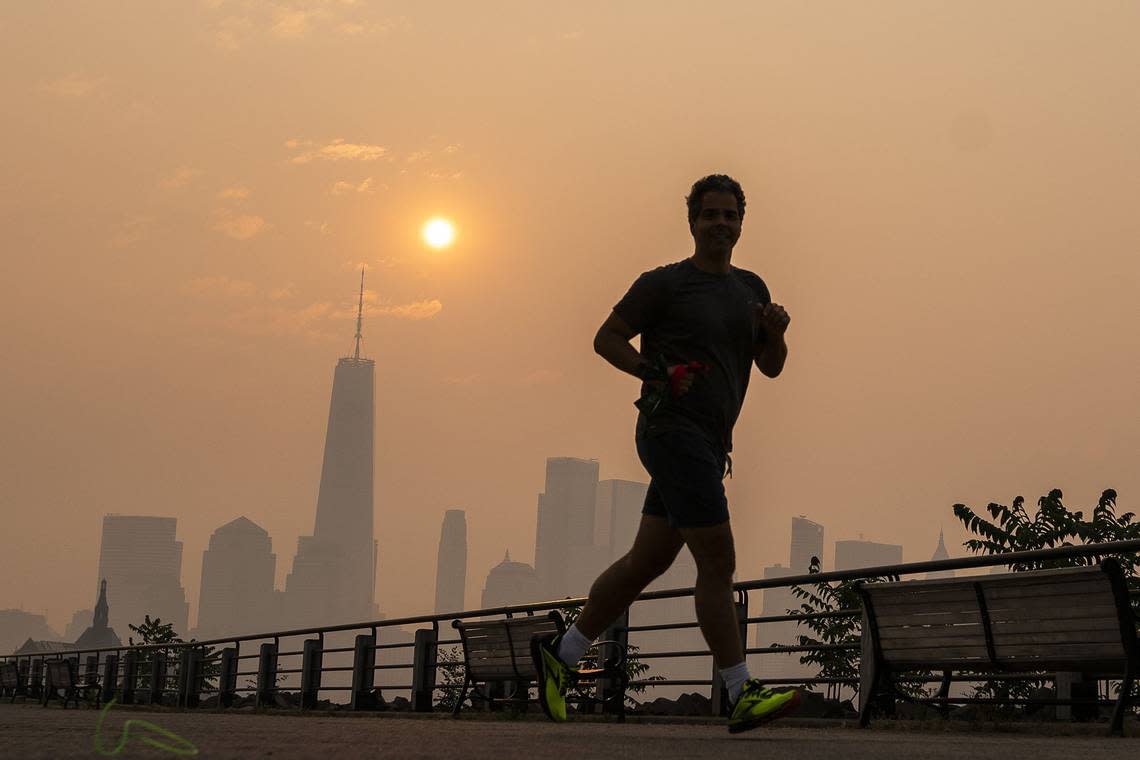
{"x": 715, "y": 554}
{"x": 654, "y": 550}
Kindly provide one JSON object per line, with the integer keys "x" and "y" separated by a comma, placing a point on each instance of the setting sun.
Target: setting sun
{"x": 438, "y": 233}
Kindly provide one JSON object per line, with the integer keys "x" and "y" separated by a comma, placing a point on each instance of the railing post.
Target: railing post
{"x": 312, "y": 660}
{"x": 130, "y": 677}
{"x": 157, "y": 676}
{"x": 110, "y": 676}
{"x": 363, "y": 672}
{"x": 189, "y": 677}
{"x": 266, "y": 674}
{"x": 36, "y": 684}
{"x": 22, "y": 668}
{"x": 612, "y": 690}
{"x": 183, "y": 675}
{"x": 423, "y": 669}
{"x": 719, "y": 696}
{"x": 227, "y": 677}
{"x": 91, "y": 667}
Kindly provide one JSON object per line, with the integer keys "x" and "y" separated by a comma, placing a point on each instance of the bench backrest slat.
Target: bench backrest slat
{"x": 500, "y": 649}
{"x": 1050, "y": 618}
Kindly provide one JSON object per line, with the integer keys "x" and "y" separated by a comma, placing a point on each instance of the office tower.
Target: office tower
{"x": 510, "y": 583}
{"x": 852, "y": 555}
{"x": 99, "y": 634}
{"x": 141, "y": 562}
{"x": 940, "y": 553}
{"x": 807, "y": 542}
{"x": 565, "y": 520}
{"x": 334, "y": 571}
{"x": 451, "y": 562}
{"x": 237, "y": 581}
{"x": 619, "y": 507}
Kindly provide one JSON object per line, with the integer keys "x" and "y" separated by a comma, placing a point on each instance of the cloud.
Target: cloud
{"x": 415, "y": 310}
{"x": 181, "y": 177}
{"x": 220, "y": 286}
{"x": 129, "y": 232}
{"x": 233, "y": 194}
{"x": 236, "y": 21}
{"x": 321, "y": 227}
{"x": 238, "y": 226}
{"x": 463, "y": 379}
{"x": 541, "y": 377}
{"x": 343, "y": 187}
{"x": 74, "y": 85}
{"x": 271, "y": 319}
{"x": 336, "y": 150}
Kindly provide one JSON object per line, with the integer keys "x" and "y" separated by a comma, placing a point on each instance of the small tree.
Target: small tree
{"x": 450, "y": 667}
{"x": 154, "y": 631}
{"x": 845, "y": 630}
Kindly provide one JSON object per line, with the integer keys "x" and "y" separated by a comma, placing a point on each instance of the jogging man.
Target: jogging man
{"x": 703, "y": 324}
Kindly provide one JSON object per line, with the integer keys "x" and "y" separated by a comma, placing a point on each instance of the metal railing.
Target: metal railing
{"x": 205, "y": 673}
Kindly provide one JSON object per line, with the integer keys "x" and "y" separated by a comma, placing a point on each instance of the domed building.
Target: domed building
{"x": 510, "y": 583}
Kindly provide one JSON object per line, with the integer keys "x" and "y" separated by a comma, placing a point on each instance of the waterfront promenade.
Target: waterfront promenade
{"x": 30, "y": 731}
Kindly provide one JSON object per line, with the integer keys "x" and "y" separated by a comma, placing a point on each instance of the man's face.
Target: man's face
{"x": 717, "y": 227}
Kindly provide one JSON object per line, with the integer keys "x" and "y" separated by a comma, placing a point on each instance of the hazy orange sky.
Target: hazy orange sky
{"x": 942, "y": 194}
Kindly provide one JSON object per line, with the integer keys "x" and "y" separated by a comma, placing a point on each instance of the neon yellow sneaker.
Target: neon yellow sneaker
{"x": 553, "y": 676}
{"x": 757, "y": 705}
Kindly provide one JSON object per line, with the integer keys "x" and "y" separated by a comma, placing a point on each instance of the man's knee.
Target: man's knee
{"x": 717, "y": 569}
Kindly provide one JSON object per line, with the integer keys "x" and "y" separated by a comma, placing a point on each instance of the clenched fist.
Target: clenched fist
{"x": 772, "y": 319}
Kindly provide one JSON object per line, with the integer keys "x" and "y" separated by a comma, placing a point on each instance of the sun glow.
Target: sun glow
{"x": 438, "y": 233}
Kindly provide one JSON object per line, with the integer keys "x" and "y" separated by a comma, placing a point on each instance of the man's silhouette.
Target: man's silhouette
{"x": 703, "y": 324}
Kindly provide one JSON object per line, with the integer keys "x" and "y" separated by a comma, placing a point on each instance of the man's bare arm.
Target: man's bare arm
{"x": 612, "y": 343}
{"x": 773, "y": 320}
{"x": 770, "y": 359}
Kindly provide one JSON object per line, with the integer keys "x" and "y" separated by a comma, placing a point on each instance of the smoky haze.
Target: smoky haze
{"x": 942, "y": 195}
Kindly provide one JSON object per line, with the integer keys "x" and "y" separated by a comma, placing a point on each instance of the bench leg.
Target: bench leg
{"x": 1117, "y": 726}
{"x": 869, "y": 690}
{"x": 459, "y": 701}
{"x": 944, "y": 693}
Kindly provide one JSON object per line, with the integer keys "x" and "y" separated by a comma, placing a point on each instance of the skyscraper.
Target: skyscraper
{"x": 619, "y": 507}
{"x": 565, "y": 520}
{"x": 451, "y": 562}
{"x": 334, "y": 572}
{"x": 852, "y": 555}
{"x": 940, "y": 553}
{"x": 141, "y": 562}
{"x": 237, "y": 581}
{"x": 807, "y": 542}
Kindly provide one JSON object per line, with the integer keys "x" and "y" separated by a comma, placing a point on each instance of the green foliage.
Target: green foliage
{"x": 152, "y": 632}
{"x": 840, "y": 664}
{"x": 449, "y": 667}
{"x": 1012, "y": 529}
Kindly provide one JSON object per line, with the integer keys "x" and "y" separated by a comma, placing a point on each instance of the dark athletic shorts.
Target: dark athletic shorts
{"x": 686, "y": 483}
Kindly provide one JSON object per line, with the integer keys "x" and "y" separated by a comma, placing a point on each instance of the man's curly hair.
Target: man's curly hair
{"x": 714, "y": 183}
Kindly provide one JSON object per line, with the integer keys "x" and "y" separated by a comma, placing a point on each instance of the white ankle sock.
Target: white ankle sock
{"x": 573, "y": 645}
{"x": 734, "y": 679}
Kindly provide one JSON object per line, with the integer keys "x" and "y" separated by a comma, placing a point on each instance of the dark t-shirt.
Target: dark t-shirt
{"x": 687, "y": 314}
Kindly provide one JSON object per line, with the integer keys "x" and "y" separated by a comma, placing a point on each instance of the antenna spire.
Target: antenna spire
{"x": 359, "y": 315}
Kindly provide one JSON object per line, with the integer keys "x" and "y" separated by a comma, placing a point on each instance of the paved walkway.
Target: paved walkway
{"x": 30, "y": 731}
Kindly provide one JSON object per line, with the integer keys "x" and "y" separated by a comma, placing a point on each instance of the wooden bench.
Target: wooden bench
{"x": 63, "y": 681}
{"x": 1072, "y": 619}
{"x": 11, "y": 683}
{"x": 498, "y": 651}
